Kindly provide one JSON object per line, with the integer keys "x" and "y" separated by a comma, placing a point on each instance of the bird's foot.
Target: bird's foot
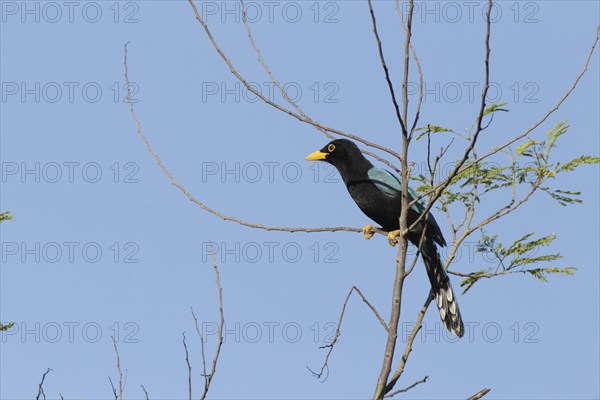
{"x": 368, "y": 231}
{"x": 392, "y": 237}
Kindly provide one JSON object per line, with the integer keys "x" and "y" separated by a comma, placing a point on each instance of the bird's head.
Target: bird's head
{"x": 337, "y": 152}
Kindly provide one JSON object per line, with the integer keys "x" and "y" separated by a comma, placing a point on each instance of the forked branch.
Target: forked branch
{"x": 330, "y": 346}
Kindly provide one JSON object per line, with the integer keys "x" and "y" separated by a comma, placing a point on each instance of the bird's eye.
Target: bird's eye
{"x": 331, "y": 148}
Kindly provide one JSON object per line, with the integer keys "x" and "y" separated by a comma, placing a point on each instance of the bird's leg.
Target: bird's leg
{"x": 392, "y": 237}
{"x": 368, "y": 231}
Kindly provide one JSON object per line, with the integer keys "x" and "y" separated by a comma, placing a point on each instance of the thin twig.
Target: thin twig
{"x": 211, "y": 375}
{"x": 417, "y": 62}
{"x": 418, "y": 253}
{"x": 113, "y": 388}
{"x": 41, "y": 385}
{"x": 121, "y": 382}
{"x": 204, "y": 374}
{"x": 145, "y": 392}
{"x": 331, "y": 345}
{"x": 189, "y": 366}
{"x": 406, "y": 389}
{"x": 408, "y": 35}
{"x": 385, "y": 69}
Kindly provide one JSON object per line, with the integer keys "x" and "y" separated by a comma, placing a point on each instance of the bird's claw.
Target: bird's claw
{"x": 368, "y": 231}
{"x": 392, "y": 237}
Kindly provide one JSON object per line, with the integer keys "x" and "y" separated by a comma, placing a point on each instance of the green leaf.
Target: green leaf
{"x": 432, "y": 129}
{"x": 6, "y": 327}
{"x": 541, "y": 273}
{"x": 564, "y": 197}
{"x": 494, "y": 108}
{"x": 554, "y": 133}
{"x": 521, "y": 149}
{"x": 576, "y": 162}
{"x": 471, "y": 280}
{"x": 5, "y": 216}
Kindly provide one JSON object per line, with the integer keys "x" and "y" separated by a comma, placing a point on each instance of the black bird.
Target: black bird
{"x": 377, "y": 193}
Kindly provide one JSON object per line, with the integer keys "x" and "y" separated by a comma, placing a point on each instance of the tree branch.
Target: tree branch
{"x": 199, "y": 203}
{"x": 121, "y": 382}
{"x": 145, "y": 392}
{"x": 479, "y": 394}
{"x": 292, "y": 102}
{"x": 187, "y": 361}
{"x": 385, "y": 69}
{"x": 211, "y": 375}
{"x": 417, "y": 62}
{"x": 41, "y": 385}
{"x": 409, "y": 343}
{"x": 272, "y": 103}
{"x": 406, "y": 389}
{"x": 325, "y": 366}
{"x": 396, "y": 307}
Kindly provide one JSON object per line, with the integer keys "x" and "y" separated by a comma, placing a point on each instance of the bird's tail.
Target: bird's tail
{"x": 442, "y": 290}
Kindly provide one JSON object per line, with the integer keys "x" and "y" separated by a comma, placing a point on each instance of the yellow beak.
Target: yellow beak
{"x": 317, "y": 155}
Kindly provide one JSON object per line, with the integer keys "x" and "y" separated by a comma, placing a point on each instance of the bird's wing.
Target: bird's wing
{"x": 391, "y": 185}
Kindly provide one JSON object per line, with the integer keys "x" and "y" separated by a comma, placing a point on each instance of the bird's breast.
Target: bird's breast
{"x": 380, "y": 207}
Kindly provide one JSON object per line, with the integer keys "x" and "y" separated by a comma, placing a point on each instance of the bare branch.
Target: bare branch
{"x": 408, "y": 35}
{"x": 409, "y": 343}
{"x": 272, "y": 103}
{"x": 41, "y": 385}
{"x": 292, "y": 102}
{"x": 113, "y": 389}
{"x": 204, "y": 374}
{"x": 145, "y": 392}
{"x": 121, "y": 382}
{"x": 199, "y": 203}
{"x": 187, "y": 361}
{"x": 418, "y": 253}
{"x": 417, "y": 62}
{"x": 479, "y": 394}
{"x": 385, "y": 69}
{"x": 211, "y": 375}
{"x": 273, "y": 79}
{"x": 406, "y": 389}
{"x": 325, "y": 366}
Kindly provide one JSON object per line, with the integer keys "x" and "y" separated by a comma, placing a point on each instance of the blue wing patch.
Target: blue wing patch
{"x": 385, "y": 181}
{"x": 391, "y": 185}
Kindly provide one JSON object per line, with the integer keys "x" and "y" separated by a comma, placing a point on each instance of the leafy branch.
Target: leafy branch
{"x": 514, "y": 258}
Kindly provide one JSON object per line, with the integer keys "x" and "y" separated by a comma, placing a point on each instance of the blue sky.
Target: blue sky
{"x": 103, "y": 245}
